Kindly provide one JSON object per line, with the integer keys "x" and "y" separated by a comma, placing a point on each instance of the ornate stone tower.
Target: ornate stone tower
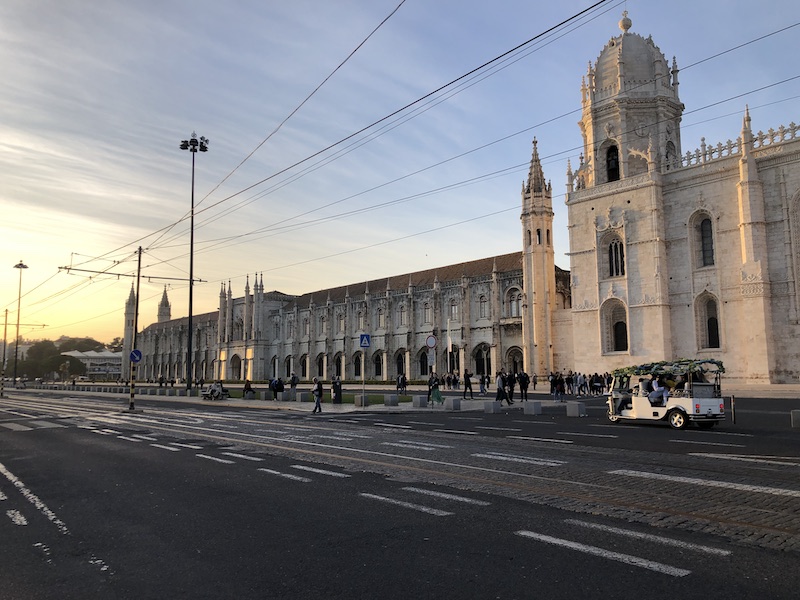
{"x": 127, "y": 336}
{"x": 164, "y": 308}
{"x": 538, "y": 269}
{"x": 631, "y": 110}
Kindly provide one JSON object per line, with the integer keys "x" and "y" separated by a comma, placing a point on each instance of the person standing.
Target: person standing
{"x": 511, "y": 380}
{"x": 336, "y": 388}
{"x": 524, "y": 380}
{"x": 483, "y": 384}
{"x": 468, "y": 384}
{"x": 316, "y": 391}
{"x": 293, "y": 381}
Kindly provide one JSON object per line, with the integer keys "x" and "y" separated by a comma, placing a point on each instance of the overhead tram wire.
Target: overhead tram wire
{"x": 324, "y": 161}
{"x": 297, "y": 108}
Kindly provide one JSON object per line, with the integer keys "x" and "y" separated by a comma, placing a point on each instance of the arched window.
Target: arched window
{"x": 707, "y": 314}
{"x": 357, "y": 365}
{"x": 427, "y": 317}
{"x": 615, "y": 326}
{"x": 529, "y": 237}
{"x": 514, "y": 303}
{"x": 305, "y": 326}
{"x": 403, "y": 316}
{"x": 276, "y": 330}
{"x": 616, "y": 258}
{"x": 377, "y": 361}
{"x": 539, "y": 237}
{"x": 400, "y": 364}
{"x": 361, "y": 321}
{"x": 548, "y": 237}
{"x": 321, "y": 325}
{"x": 340, "y": 321}
{"x": 612, "y": 164}
{"x": 424, "y": 369}
{"x": 320, "y": 366}
{"x": 453, "y": 310}
{"x": 381, "y": 319}
{"x": 483, "y": 307}
{"x": 706, "y": 243}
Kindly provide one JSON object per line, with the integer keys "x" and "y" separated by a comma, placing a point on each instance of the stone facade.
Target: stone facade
{"x": 671, "y": 255}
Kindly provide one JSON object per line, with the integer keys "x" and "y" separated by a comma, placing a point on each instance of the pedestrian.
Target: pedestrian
{"x": 316, "y": 391}
{"x": 336, "y": 389}
{"x": 434, "y": 394}
{"x": 535, "y": 381}
{"x": 468, "y": 384}
{"x": 248, "y": 393}
{"x": 501, "y": 388}
{"x": 511, "y": 380}
{"x": 524, "y": 380}
{"x": 483, "y": 384}
{"x": 293, "y": 381}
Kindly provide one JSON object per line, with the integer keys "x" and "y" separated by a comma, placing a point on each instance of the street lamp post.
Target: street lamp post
{"x": 192, "y": 145}
{"x": 20, "y": 265}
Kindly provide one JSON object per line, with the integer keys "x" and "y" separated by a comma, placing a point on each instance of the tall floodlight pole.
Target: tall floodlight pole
{"x": 20, "y": 265}
{"x": 192, "y": 145}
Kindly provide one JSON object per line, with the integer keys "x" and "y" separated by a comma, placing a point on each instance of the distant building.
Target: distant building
{"x": 100, "y": 366}
{"x": 672, "y": 255}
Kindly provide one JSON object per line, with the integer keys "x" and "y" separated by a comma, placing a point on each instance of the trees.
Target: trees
{"x": 44, "y": 359}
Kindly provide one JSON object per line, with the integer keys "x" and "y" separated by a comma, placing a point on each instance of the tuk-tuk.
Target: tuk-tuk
{"x": 679, "y": 392}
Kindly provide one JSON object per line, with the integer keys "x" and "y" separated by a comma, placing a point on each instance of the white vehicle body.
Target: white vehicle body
{"x": 699, "y": 399}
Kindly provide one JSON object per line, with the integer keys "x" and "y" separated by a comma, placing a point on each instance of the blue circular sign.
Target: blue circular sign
{"x": 136, "y": 355}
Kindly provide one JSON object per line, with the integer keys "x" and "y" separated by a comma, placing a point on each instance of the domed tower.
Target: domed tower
{"x": 631, "y": 110}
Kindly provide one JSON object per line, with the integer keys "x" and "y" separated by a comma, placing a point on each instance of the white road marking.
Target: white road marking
{"x": 409, "y": 446}
{"x": 147, "y": 438}
{"x": 650, "y": 537}
{"x": 538, "y": 439}
{"x": 214, "y": 458}
{"x": 426, "y": 509}
{"x": 447, "y": 496}
{"x": 392, "y": 425}
{"x": 100, "y": 431}
{"x": 457, "y": 431}
{"x": 426, "y": 444}
{"x": 33, "y": 499}
{"x": 707, "y": 443}
{"x": 636, "y": 561}
{"x": 598, "y": 435}
{"x": 320, "y": 471}
{"x": 767, "y": 460}
{"x": 170, "y": 448}
{"x": 3, "y": 496}
{"x": 287, "y": 475}
{"x": 16, "y": 426}
{"x": 17, "y": 517}
{"x": 129, "y": 439}
{"x": 189, "y": 446}
{"x": 498, "y": 428}
{"x": 243, "y": 456}
{"x": 339, "y": 437}
{"x": 111, "y": 431}
{"x": 521, "y": 459}
{"x": 46, "y": 424}
{"x": 742, "y": 487}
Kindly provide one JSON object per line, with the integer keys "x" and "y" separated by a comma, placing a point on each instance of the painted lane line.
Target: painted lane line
{"x": 498, "y": 428}
{"x": 457, "y": 431}
{"x": 517, "y": 459}
{"x": 46, "y": 424}
{"x": 409, "y": 446}
{"x": 34, "y": 499}
{"x": 146, "y": 438}
{"x": 189, "y": 446}
{"x": 111, "y": 431}
{"x": 287, "y": 475}
{"x": 447, "y": 496}
{"x": 3, "y": 496}
{"x": 426, "y": 444}
{"x": 710, "y": 483}
{"x": 128, "y": 439}
{"x": 339, "y": 438}
{"x": 100, "y": 431}
{"x": 628, "y": 559}
{"x": 650, "y": 537}
{"x": 216, "y": 459}
{"x": 16, "y": 517}
{"x": 466, "y": 418}
{"x": 597, "y": 435}
{"x": 426, "y": 509}
{"x": 16, "y": 426}
{"x": 392, "y": 425}
{"x": 538, "y": 439}
{"x": 425, "y": 423}
{"x": 320, "y": 471}
{"x": 767, "y": 460}
{"x": 163, "y": 447}
{"x": 707, "y": 443}
{"x": 278, "y": 431}
{"x": 534, "y": 422}
{"x": 243, "y": 456}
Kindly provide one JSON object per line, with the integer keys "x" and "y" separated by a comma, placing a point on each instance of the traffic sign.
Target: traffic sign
{"x": 136, "y": 356}
{"x": 430, "y": 342}
{"x": 365, "y": 341}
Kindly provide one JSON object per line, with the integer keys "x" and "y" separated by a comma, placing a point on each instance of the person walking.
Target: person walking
{"x": 468, "y": 384}
{"x": 434, "y": 394}
{"x": 316, "y": 391}
{"x": 501, "y": 388}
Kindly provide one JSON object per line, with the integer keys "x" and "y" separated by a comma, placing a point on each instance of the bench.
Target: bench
{"x": 208, "y": 393}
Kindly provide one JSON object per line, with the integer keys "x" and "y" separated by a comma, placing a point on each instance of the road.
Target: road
{"x": 182, "y": 501}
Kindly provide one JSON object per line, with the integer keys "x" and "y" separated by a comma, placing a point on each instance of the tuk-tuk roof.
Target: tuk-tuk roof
{"x": 673, "y": 367}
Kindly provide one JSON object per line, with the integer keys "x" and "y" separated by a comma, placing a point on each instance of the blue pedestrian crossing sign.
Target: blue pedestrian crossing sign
{"x": 136, "y": 356}
{"x": 365, "y": 340}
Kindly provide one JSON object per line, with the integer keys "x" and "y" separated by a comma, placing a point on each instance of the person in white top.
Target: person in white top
{"x": 659, "y": 393}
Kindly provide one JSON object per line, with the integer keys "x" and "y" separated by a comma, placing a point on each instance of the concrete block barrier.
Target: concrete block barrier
{"x": 419, "y": 401}
{"x": 795, "y": 419}
{"x": 532, "y": 407}
{"x": 576, "y": 409}
{"x": 452, "y": 403}
{"x": 391, "y": 400}
{"x": 361, "y": 400}
{"x": 492, "y": 406}
{"x": 303, "y": 397}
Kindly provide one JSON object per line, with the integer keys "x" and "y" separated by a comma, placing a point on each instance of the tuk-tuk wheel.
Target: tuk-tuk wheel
{"x": 613, "y": 418}
{"x": 676, "y": 419}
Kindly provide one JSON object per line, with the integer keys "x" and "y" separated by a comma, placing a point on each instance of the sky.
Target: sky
{"x": 97, "y": 96}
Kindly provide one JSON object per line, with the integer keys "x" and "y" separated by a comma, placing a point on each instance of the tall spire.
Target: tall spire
{"x": 535, "y": 174}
